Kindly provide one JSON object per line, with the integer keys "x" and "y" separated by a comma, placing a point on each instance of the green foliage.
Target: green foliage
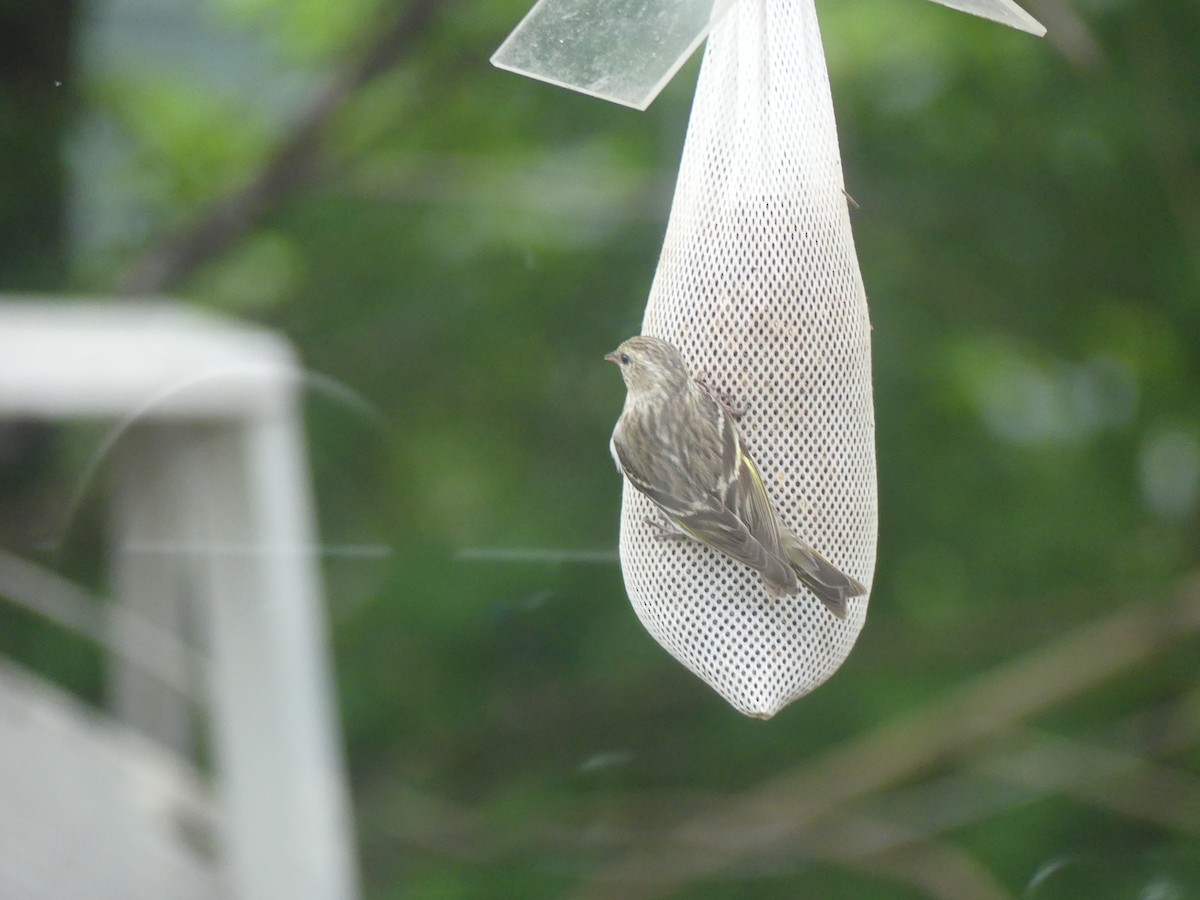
{"x": 469, "y": 246}
{"x": 187, "y": 142}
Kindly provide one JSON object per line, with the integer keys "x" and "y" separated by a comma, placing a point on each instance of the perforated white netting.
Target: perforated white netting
{"x": 759, "y": 288}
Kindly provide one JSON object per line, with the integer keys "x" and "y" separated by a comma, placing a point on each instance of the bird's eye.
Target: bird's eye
{"x": 624, "y": 359}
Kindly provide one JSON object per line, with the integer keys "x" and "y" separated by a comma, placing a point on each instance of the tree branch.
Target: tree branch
{"x": 293, "y": 165}
{"x": 784, "y": 807}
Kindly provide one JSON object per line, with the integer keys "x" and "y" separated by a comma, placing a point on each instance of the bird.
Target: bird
{"x": 680, "y": 445}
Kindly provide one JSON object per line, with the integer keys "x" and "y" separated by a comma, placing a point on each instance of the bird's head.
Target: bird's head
{"x": 648, "y": 364}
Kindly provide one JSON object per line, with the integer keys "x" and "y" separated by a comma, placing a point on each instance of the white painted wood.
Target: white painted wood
{"x": 151, "y": 587}
{"x": 212, "y": 509}
{"x": 92, "y": 810}
{"x": 60, "y": 359}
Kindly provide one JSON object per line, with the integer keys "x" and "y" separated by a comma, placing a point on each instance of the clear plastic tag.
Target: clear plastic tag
{"x": 620, "y": 50}
{"x": 1003, "y": 11}
{"x": 627, "y": 50}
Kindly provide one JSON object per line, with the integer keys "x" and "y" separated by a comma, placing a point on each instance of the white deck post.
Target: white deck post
{"x": 278, "y": 760}
{"x": 152, "y": 586}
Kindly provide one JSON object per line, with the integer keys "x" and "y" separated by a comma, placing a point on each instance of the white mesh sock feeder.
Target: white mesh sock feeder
{"x": 758, "y": 286}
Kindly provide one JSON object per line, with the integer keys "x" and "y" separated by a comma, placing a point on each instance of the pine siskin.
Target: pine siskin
{"x": 680, "y": 446}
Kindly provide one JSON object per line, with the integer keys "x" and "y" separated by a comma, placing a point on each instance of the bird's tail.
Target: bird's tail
{"x": 832, "y": 586}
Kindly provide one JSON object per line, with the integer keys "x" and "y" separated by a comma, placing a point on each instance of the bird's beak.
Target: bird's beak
{"x": 611, "y": 357}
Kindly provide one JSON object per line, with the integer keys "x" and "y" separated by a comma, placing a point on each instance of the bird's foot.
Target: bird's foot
{"x": 664, "y": 529}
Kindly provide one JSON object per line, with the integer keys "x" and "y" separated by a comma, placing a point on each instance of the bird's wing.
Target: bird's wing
{"x": 707, "y": 518}
{"x": 745, "y": 492}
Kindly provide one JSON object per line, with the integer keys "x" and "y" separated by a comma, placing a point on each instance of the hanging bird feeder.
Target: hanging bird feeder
{"x": 758, "y": 286}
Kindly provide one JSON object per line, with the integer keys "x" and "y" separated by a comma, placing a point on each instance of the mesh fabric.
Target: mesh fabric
{"x": 758, "y": 286}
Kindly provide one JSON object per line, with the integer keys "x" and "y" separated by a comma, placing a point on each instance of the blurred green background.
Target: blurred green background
{"x": 455, "y": 247}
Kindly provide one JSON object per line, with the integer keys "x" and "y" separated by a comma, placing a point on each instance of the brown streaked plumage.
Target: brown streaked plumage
{"x": 680, "y": 447}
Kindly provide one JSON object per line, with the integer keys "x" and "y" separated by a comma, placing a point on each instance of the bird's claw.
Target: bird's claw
{"x": 663, "y": 528}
